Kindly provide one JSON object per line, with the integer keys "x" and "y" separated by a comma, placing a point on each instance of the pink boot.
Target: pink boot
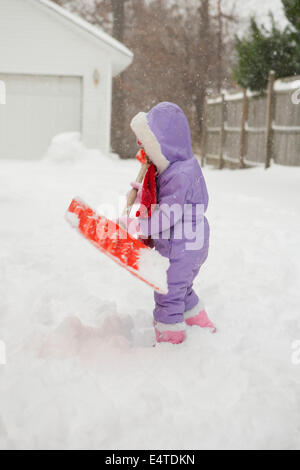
{"x": 174, "y": 334}
{"x": 197, "y": 316}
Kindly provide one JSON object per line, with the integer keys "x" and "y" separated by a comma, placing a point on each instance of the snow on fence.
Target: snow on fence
{"x": 246, "y": 128}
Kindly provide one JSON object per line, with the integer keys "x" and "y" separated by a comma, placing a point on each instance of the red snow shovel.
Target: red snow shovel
{"x": 111, "y": 239}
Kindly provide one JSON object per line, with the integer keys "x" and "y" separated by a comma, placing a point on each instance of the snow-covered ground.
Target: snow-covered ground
{"x": 81, "y": 371}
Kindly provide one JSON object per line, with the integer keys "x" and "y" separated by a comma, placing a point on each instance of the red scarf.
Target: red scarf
{"x": 149, "y": 194}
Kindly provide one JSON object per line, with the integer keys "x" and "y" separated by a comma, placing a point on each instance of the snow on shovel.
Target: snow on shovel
{"x": 112, "y": 240}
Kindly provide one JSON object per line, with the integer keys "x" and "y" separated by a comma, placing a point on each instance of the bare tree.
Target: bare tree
{"x": 180, "y": 51}
{"x": 118, "y": 101}
{"x": 97, "y": 12}
{"x": 224, "y": 44}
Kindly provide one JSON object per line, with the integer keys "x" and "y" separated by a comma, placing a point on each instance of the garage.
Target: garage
{"x": 57, "y": 70}
{"x": 37, "y": 108}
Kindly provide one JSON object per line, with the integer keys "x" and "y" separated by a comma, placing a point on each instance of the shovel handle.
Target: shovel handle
{"x": 133, "y": 193}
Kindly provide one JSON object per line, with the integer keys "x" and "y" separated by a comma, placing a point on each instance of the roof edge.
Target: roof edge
{"x": 88, "y": 27}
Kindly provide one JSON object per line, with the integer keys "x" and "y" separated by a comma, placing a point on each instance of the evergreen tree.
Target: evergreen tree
{"x": 263, "y": 50}
{"x": 292, "y": 11}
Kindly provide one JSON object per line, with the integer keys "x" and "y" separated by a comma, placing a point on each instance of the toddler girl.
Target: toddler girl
{"x": 177, "y": 225}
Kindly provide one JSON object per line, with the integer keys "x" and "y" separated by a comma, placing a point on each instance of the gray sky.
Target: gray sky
{"x": 260, "y": 8}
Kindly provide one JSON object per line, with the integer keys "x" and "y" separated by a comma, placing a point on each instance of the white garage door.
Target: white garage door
{"x": 37, "y": 108}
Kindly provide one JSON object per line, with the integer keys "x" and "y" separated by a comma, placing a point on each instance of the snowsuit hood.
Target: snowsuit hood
{"x": 165, "y": 135}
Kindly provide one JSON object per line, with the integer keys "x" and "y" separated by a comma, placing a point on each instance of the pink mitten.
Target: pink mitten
{"x": 139, "y": 188}
{"x": 131, "y": 225}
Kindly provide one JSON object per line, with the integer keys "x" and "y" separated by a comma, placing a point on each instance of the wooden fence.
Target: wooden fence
{"x": 244, "y": 128}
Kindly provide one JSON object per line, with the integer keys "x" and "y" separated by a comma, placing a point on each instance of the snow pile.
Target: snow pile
{"x": 153, "y": 267}
{"x": 68, "y": 147}
{"x": 81, "y": 371}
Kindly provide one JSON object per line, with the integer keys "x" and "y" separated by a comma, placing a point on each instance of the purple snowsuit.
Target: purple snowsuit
{"x": 165, "y": 134}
